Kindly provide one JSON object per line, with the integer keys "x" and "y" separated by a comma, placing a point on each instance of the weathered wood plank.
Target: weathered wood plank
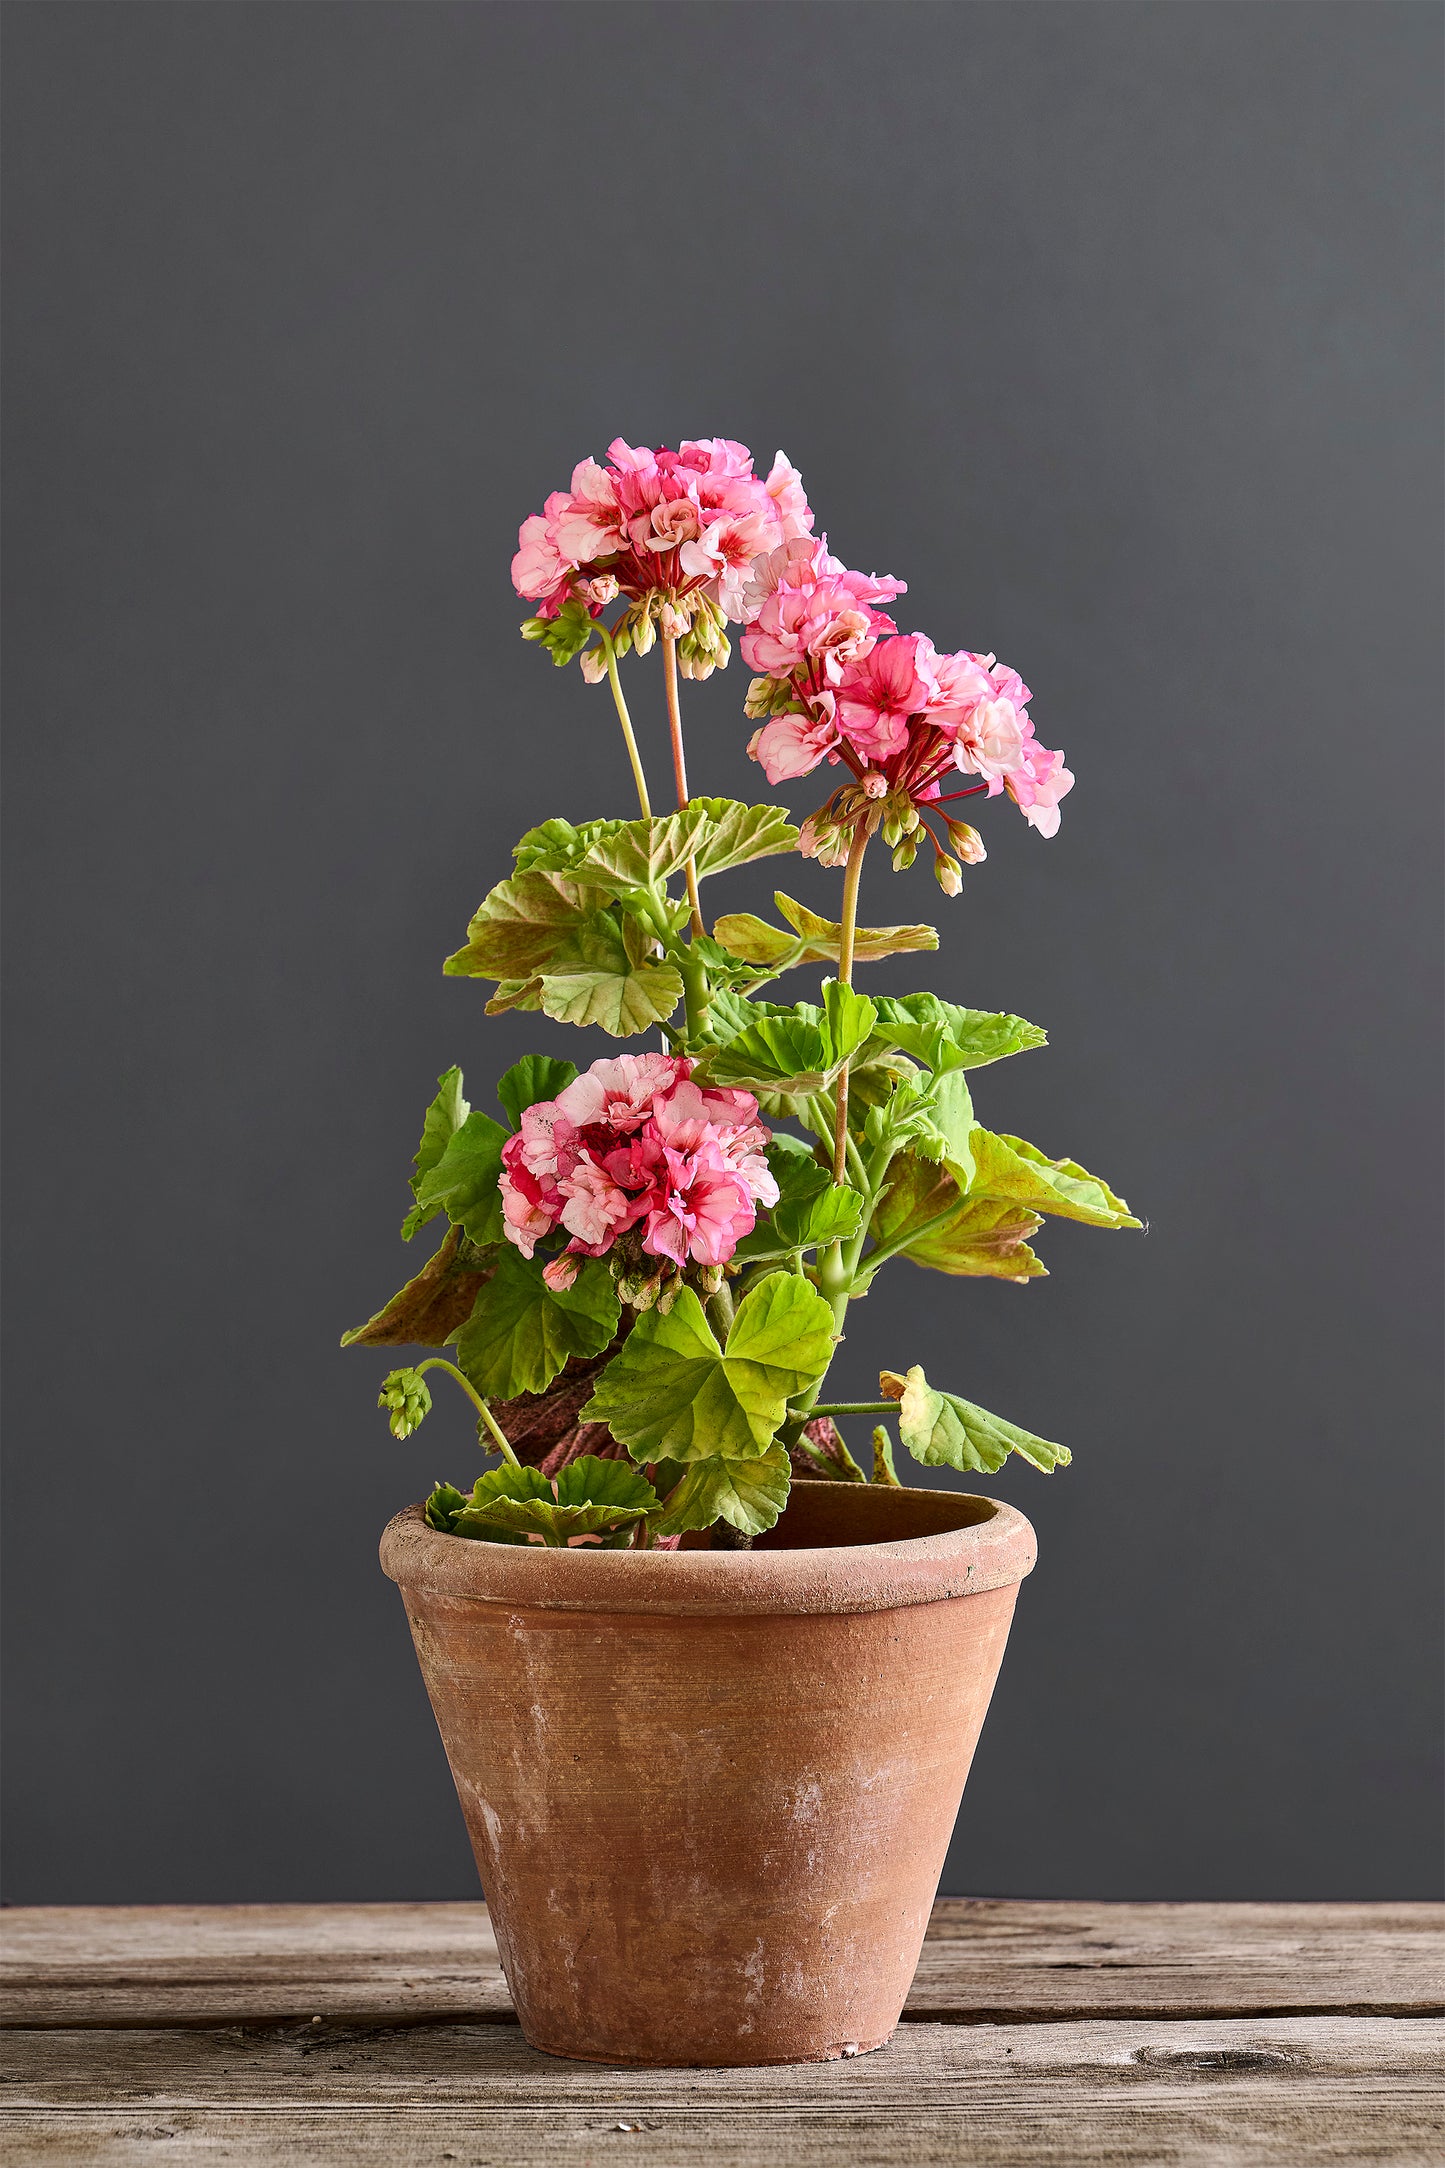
{"x": 249, "y": 1964}
{"x": 1288, "y": 2093}
{"x": 985, "y": 1959}
{"x": 1017, "y": 1960}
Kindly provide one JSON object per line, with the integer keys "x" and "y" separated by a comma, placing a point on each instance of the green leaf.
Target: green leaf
{"x": 621, "y": 1001}
{"x": 748, "y": 1494}
{"x": 950, "y": 1124}
{"x": 443, "y": 1118}
{"x": 796, "y": 1051}
{"x": 726, "y": 972}
{"x": 619, "y": 856}
{"x": 610, "y": 1483}
{"x": 586, "y": 961}
{"x": 734, "y": 834}
{"x": 942, "y": 1430}
{"x": 983, "y": 1237}
{"x": 534, "y": 922}
{"x": 534, "y": 1077}
{"x": 883, "y": 1468}
{"x": 589, "y": 1497}
{"x": 520, "y": 1335}
{"x": 463, "y": 1182}
{"x": 671, "y": 1393}
{"x": 944, "y": 1037}
{"x": 443, "y": 1506}
{"x": 828, "y": 1213}
{"x": 1008, "y": 1167}
{"x": 516, "y": 994}
{"x": 433, "y": 1306}
{"x": 813, "y": 939}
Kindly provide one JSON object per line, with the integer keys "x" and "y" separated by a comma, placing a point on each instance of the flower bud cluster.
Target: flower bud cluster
{"x": 404, "y": 1393}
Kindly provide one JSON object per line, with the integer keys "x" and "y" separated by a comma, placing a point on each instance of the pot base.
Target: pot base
{"x": 845, "y": 2053}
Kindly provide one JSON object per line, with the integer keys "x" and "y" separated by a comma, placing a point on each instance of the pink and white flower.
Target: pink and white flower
{"x": 633, "y": 1142}
{"x": 692, "y": 521}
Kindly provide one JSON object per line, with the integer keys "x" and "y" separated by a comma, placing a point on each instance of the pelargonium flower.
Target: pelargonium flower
{"x": 901, "y": 716}
{"x": 680, "y": 529}
{"x": 634, "y": 1148}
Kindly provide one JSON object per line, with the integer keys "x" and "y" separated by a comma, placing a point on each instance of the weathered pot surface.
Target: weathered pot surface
{"x": 710, "y": 1792}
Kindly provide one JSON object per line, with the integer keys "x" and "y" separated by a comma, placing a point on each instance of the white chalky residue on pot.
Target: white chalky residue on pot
{"x": 752, "y": 1968}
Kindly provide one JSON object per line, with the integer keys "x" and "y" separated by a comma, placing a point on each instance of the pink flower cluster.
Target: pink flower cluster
{"x": 634, "y": 1143}
{"x": 900, "y": 715}
{"x": 679, "y": 522}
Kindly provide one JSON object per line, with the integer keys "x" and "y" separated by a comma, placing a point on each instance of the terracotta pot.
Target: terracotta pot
{"x": 710, "y": 1792}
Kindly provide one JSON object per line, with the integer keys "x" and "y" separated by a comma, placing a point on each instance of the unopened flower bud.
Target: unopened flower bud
{"x": 560, "y": 1272}
{"x": 872, "y": 784}
{"x": 644, "y": 634}
{"x": 948, "y": 873}
{"x": 672, "y": 623}
{"x": 759, "y": 701}
{"x": 602, "y": 588}
{"x": 594, "y": 665}
{"x": 404, "y": 1393}
{"x": 533, "y": 627}
{"x": 905, "y": 853}
{"x": 967, "y": 842}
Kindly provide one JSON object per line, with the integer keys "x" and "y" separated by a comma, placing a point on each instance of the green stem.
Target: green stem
{"x": 679, "y": 766}
{"x": 854, "y": 1407}
{"x": 848, "y": 926}
{"x": 874, "y": 1176}
{"x": 625, "y": 719}
{"x": 696, "y": 993}
{"x": 906, "y": 1239}
{"x": 720, "y": 1310}
{"x": 439, "y": 1362}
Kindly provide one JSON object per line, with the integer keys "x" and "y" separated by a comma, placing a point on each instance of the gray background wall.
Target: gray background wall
{"x": 1112, "y": 329}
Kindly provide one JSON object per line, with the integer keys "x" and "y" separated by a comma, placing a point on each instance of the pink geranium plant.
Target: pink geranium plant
{"x": 646, "y": 1270}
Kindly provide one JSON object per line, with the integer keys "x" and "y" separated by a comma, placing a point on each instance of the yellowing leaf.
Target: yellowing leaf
{"x": 940, "y": 1429}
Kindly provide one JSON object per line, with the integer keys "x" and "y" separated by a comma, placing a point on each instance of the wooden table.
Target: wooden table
{"x": 1061, "y": 2033}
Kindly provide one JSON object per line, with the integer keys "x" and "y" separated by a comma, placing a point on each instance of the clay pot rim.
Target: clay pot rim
{"x": 995, "y": 1550}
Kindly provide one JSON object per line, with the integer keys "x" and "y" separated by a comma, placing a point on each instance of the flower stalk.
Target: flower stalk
{"x": 846, "y": 941}
{"x": 439, "y": 1362}
{"x": 639, "y": 779}
{"x": 679, "y": 767}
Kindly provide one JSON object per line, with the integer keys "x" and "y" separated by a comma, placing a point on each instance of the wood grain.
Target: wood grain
{"x": 985, "y": 1959}
{"x": 1038, "y": 2035}
{"x": 1289, "y": 2091}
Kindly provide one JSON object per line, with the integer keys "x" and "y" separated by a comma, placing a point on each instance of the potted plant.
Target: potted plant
{"x": 708, "y": 1680}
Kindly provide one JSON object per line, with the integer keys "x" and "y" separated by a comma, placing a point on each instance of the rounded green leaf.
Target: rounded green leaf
{"x": 671, "y": 1393}
{"x": 747, "y": 1494}
{"x": 520, "y": 1334}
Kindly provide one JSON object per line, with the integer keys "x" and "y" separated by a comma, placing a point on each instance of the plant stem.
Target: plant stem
{"x": 845, "y": 978}
{"x": 907, "y": 1238}
{"x": 679, "y": 764}
{"x": 694, "y": 993}
{"x": 439, "y": 1362}
{"x": 853, "y": 1407}
{"x": 720, "y": 1310}
{"x": 626, "y": 721}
